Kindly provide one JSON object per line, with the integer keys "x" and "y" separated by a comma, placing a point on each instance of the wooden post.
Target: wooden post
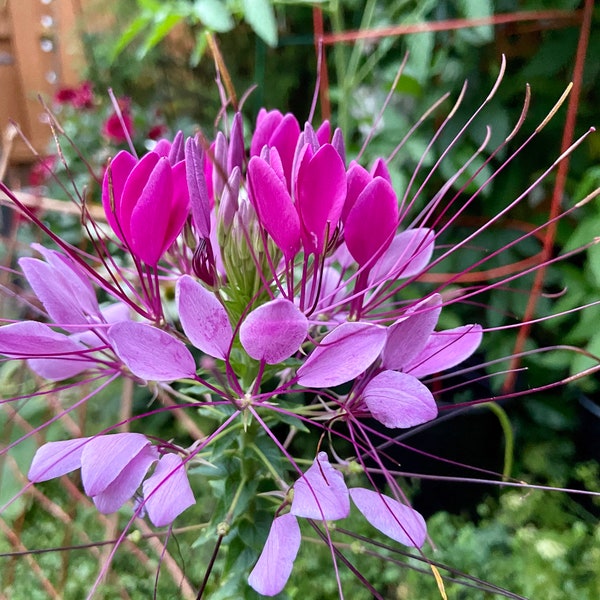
{"x": 38, "y": 55}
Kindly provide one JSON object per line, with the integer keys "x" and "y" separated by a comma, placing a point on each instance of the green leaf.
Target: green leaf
{"x": 476, "y": 9}
{"x": 260, "y": 16}
{"x": 214, "y": 14}
{"x": 159, "y": 31}
{"x": 135, "y": 28}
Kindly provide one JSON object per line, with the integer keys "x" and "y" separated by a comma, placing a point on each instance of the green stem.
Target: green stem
{"x": 509, "y": 438}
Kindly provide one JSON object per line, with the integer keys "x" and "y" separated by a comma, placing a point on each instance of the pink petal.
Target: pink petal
{"x": 150, "y": 353}
{"x": 357, "y": 179}
{"x": 445, "y": 349}
{"x": 179, "y": 208}
{"x": 203, "y": 318}
{"x": 125, "y": 485}
{"x": 116, "y": 175}
{"x": 408, "y": 255}
{"x": 106, "y": 457}
{"x": 342, "y": 355}
{"x": 274, "y": 331}
{"x": 30, "y": 339}
{"x": 379, "y": 169}
{"x": 72, "y": 276}
{"x": 408, "y": 336}
{"x": 372, "y": 221}
{"x": 274, "y": 207}
{"x": 266, "y": 123}
{"x": 57, "y": 369}
{"x": 167, "y": 492}
{"x": 285, "y": 138}
{"x": 321, "y": 492}
{"x": 398, "y": 521}
{"x": 55, "y": 459}
{"x": 275, "y": 563}
{"x": 399, "y": 400}
{"x": 150, "y": 215}
{"x": 132, "y": 190}
{"x": 324, "y": 133}
{"x": 67, "y": 297}
{"x": 321, "y": 196}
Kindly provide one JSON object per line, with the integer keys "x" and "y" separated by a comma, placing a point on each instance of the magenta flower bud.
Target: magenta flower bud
{"x": 372, "y": 221}
{"x": 276, "y": 130}
{"x": 146, "y": 203}
{"x": 321, "y": 193}
{"x": 236, "y": 151}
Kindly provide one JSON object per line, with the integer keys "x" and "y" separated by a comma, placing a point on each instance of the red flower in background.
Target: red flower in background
{"x": 41, "y": 170}
{"x": 79, "y": 97}
{"x": 118, "y": 127}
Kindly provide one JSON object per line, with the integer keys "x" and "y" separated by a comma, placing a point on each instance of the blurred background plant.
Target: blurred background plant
{"x": 158, "y": 60}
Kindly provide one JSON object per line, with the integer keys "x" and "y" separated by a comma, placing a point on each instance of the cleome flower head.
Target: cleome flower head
{"x": 267, "y": 293}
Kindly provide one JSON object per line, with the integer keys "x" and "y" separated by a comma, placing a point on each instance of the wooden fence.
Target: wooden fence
{"x": 39, "y": 52}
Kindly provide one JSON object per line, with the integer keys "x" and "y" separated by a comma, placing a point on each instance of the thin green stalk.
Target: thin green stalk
{"x": 509, "y": 438}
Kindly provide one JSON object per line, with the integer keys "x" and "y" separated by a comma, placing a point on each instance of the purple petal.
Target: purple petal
{"x": 337, "y": 141}
{"x": 445, "y": 349}
{"x": 372, "y": 221}
{"x": 203, "y": 318}
{"x": 67, "y": 297}
{"x": 342, "y": 355}
{"x": 105, "y": 457}
{"x": 177, "y": 150}
{"x": 229, "y": 200}
{"x": 321, "y": 196}
{"x": 321, "y": 493}
{"x": 55, "y": 459}
{"x": 57, "y": 369}
{"x": 408, "y": 336}
{"x": 220, "y": 164}
{"x": 124, "y": 486}
{"x": 198, "y": 190}
{"x": 73, "y": 276}
{"x": 399, "y": 400}
{"x": 408, "y": 255}
{"x": 30, "y": 339}
{"x": 273, "y": 331}
{"x": 398, "y": 521}
{"x": 150, "y": 353}
{"x": 274, "y": 207}
{"x": 236, "y": 152}
{"x": 167, "y": 492}
{"x": 274, "y": 565}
